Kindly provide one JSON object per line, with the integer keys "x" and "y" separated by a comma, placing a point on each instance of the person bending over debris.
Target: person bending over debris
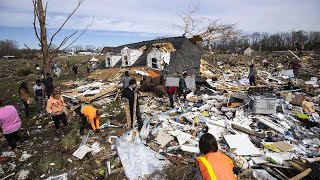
{"x": 55, "y": 108}
{"x": 25, "y": 98}
{"x": 171, "y": 92}
{"x": 89, "y": 113}
{"x": 130, "y": 93}
{"x": 10, "y": 123}
{"x": 38, "y": 94}
{"x": 125, "y": 79}
{"x": 48, "y": 84}
{"x": 252, "y": 75}
{"x": 213, "y": 164}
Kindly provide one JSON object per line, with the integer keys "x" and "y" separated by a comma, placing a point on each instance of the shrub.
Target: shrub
{"x": 24, "y": 72}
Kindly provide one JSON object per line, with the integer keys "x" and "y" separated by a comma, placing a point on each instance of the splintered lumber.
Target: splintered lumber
{"x": 134, "y": 119}
{"x": 302, "y": 174}
{"x": 297, "y": 165}
{"x": 127, "y": 109}
{"x": 118, "y": 92}
{"x": 108, "y": 90}
{"x": 294, "y": 55}
{"x": 248, "y": 131}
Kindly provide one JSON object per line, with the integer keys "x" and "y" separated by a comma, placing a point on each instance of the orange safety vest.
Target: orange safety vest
{"x": 216, "y": 166}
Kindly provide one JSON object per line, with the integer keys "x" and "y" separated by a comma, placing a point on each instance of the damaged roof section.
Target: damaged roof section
{"x": 185, "y": 54}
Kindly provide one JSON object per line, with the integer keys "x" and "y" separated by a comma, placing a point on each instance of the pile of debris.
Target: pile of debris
{"x": 278, "y": 129}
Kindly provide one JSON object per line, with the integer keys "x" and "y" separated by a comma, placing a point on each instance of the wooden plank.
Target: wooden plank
{"x": 109, "y": 90}
{"x": 294, "y": 55}
{"x": 127, "y": 109}
{"x": 134, "y": 120}
{"x": 297, "y": 165}
{"x": 247, "y": 131}
{"x": 302, "y": 174}
{"x": 118, "y": 92}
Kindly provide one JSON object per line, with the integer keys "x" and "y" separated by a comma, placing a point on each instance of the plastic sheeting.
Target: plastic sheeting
{"x": 138, "y": 160}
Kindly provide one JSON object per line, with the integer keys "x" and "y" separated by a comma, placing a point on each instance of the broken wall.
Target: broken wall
{"x": 131, "y": 54}
{"x": 113, "y": 59}
{"x": 162, "y": 58}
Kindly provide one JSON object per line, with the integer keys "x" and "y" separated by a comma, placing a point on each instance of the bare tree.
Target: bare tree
{"x": 49, "y": 53}
{"x": 208, "y": 29}
{"x": 8, "y": 47}
{"x": 90, "y": 47}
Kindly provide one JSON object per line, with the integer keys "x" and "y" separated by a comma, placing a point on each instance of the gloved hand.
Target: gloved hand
{"x": 124, "y": 100}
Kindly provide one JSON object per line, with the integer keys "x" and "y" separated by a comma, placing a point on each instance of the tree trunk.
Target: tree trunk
{"x": 43, "y": 38}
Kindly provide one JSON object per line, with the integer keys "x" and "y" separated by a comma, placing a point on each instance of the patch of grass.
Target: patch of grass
{"x": 56, "y": 158}
{"x": 71, "y": 139}
{"x": 24, "y": 72}
{"x": 114, "y": 108}
{"x": 9, "y": 92}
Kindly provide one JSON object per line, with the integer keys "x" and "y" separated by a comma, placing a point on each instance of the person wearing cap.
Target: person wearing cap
{"x": 213, "y": 164}
{"x": 90, "y": 113}
{"x": 55, "y": 108}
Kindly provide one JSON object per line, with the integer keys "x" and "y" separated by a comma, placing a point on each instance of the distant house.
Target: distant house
{"x": 7, "y": 57}
{"x": 248, "y": 51}
{"x": 84, "y": 53}
{"x": 169, "y": 55}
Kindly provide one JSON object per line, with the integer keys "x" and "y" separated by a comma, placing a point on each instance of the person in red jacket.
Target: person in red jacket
{"x": 171, "y": 92}
{"x": 213, "y": 165}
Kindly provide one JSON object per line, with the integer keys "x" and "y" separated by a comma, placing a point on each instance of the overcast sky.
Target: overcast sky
{"x": 124, "y": 21}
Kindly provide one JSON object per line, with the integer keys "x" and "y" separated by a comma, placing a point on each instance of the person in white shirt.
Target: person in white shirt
{"x": 38, "y": 91}
{"x": 57, "y": 72}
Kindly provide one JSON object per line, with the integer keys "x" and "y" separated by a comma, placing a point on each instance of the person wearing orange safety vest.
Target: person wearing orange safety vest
{"x": 213, "y": 165}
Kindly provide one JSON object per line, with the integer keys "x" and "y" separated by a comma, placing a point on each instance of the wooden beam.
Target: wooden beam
{"x": 297, "y": 166}
{"x": 302, "y": 174}
{"x": 294, "y": 55}
{"x": 247, "y": 131}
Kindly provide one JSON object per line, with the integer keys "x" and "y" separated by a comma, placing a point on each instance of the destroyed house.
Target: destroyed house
{"x": 168, "y": 55}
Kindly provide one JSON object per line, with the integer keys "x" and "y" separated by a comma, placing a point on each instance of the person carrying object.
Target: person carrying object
{"x": 132, "y": 95}
{"x": 125, "y": 80}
